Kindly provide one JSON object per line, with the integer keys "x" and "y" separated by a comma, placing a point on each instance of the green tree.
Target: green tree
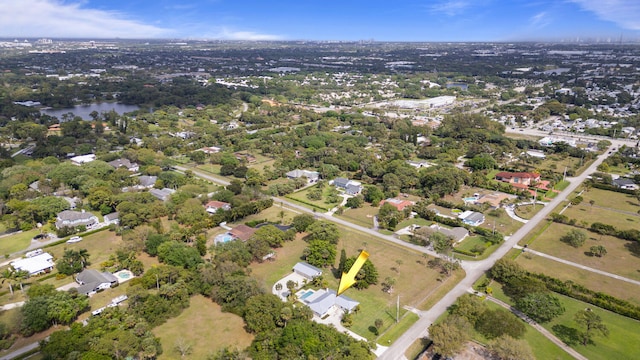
{"x": 302, "y": 221}
{"x": 323, "y": 230}
{"x": 598, "y": 250}
{"x": 270, "y": 234}
{"x": 263, "y": 313}
{"x": 541, "y": 307}
{"x": 320, "y": 253}
{"x": 73, "y": 261}
{"x": 574, "y": 237}
{"x": 179, "y": 254}
{"x": 450, "y": 336}
{"x": 591, "y": 324}
{"x": 505, "y": 269}
{"x": 507, "y": 348}
{"x": 498, "y": 322}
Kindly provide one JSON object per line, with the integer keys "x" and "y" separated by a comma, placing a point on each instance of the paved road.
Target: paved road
{"x": 583, "y": 267}
{"x": 473, "y": 269}
{"x": 476, "y": 269}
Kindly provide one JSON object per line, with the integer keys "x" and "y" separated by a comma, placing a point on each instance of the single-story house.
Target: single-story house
{"x": 213, "y": 206}
{"x": 242, "y": 232}
{"x": 399, "y": 204}
{"x": 306, "y": 270}
{"x": 312, "y": 176}
{"x": 82, "y": 159}
{"x": 162, "y": 194}
{"x": 524, "y": 178}
{"x": 351, "y": 187}
{"x": 494, "y": 199}
{"x": 147, "y": 182}
{"x": 69, "y": 218}
{"x": 118, "y": 163}
{"x": 625, "y": 183}
{"x": 457, "y": 233}
{"x": 472, "y": 218}
{"x": 419, "y": 164}
{"x": 322, "y": 301}
{"x": 34, "y": 265}
{"x": 92, "y": 281}
{"x": 113, "y": 218}
{"x": 210, "y": 149}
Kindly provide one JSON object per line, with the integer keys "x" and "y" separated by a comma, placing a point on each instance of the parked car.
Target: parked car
{"x": 74, "y": 239}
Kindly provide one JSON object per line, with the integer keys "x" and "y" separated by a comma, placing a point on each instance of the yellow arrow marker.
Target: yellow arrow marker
{"x": 348, "y": 279}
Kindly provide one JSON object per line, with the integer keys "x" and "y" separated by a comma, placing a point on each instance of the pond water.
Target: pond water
{"x": 84, "y": 110}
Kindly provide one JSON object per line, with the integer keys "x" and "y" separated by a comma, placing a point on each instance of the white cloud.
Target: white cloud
{"x": 450, "y": 7}
{"x": 539, "y": 20}
{"x": 54, "y": 18}
{"x": 624, "y": 13}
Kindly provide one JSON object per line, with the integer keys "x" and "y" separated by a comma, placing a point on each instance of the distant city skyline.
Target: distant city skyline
{"x": 350, "y": 20}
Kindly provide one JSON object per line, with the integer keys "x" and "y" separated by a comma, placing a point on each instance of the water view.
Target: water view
{"x": 83, "y": 111}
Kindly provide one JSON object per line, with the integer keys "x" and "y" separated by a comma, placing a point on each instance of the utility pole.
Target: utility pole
{"x": 398, "y": 310}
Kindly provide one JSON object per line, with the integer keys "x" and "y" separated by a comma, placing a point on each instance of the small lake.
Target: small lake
{"x": 84, "y": 110}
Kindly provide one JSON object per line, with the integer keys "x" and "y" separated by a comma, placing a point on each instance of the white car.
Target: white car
{"x": 74, "y": 239}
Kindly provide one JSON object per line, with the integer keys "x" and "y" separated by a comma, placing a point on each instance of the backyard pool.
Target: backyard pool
{"x": 303, "y": 294}
{"x": 123, "y": 275}
{"x": 223, "y": 238}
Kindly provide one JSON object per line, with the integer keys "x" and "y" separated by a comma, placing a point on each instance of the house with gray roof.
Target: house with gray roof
{"x": 92, "y": 281}
{"x": 125, "y": 163}
{"x": 457, "y": 233}
{"x": 472, "y": 218}
{"x": 69, "y": 218}
{"x": 113, "y": 218}
{"x": 351, "y": 187}
{"x": 625, "y": 183}
{"x": 312, "y": 176}
{"x": 322, "y": 301}
{"x": 162, "y": 194}
{"x": 306, "y": 270}
{"x": 146, "y": 181}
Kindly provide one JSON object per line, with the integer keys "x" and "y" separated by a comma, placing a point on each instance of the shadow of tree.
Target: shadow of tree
{"x": 569, "y": 336}
{"x": 373, "y": 329}
{"x": 633, "y": 247}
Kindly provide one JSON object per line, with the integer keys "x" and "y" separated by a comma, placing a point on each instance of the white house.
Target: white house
{"x": 92, "y": 281}
{"x": 35, "y": 265}
{"x": 306, "y": 270}
{"x": 82, "y": 159}
{"x": 472, "y": 218}
{"x": 70, "y": 218}
{"x": 312, "y": 176}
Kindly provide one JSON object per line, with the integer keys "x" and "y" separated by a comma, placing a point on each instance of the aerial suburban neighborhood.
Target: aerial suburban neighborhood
{"x": 210, "y": 199}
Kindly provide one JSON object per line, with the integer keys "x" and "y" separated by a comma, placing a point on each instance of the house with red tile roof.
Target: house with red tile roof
{"x": 242, "y": 232}
{"x": 213, "y": 206}
{"x": 397, "y": 203}
{"x": 518, "y": 179}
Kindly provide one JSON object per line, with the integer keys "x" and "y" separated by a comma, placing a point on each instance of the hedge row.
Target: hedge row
{"x": 579, "y": 292}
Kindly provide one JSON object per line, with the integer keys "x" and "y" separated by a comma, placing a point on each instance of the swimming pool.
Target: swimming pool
{"x": 223, "y": 238}
{"x": 306, "y": 294}
{"x": 470, "y": 199}
{"x": 123, "y": 275}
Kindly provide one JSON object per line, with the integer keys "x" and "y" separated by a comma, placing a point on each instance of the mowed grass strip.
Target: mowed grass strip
{"x": 623, "y": 339}
{"x": 620, "y": 289}
{"x": 611, "y": 199}
{"x": 17, "y": 242}
{"x": 362, "y": 216}
{"x": 585, "y": 213}
{"x": 205, "y": 327}
{"x": 621, "y": 258}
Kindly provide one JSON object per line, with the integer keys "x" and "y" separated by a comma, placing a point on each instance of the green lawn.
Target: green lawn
{"x": 618, "y": 260}
{"x": 301, "y": 196}
{"x": 394, "y": 333}
{"x": 622, "y": 342}
{"x": 17, "y": 242}
{"x": 205, "y": 327}
{"x": 528, "y": 211}
{"x": 593, "y": 281}
{"x": 362, "y": 216}
{"x": 611, "y": 200}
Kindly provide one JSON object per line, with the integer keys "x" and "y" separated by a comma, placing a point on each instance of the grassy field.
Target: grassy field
{"x": 17, "y": 242}
{"x": 361, "y": 216}
{"x": 618, "y": 260}
{"x": 622, "y": 342}
{"x": 305, "y": 201}
{"x": 621, "y": 220}
{"x": 611, "y": 199}
{"x": 203, "y": 326}
{"x": 593, "y": 281}
{"x": 528, "y": 211}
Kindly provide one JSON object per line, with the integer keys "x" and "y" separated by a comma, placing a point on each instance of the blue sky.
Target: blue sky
{"x": 383, "y": 20}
